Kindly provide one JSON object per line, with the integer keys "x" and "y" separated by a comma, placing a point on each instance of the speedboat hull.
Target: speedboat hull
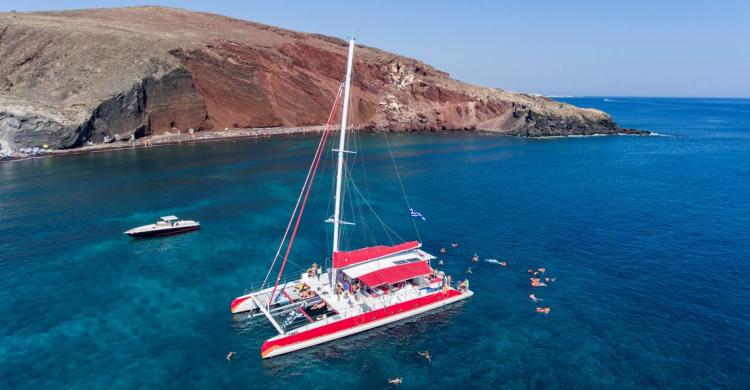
{"x": 162, "y": 232}
{"x": 156, "y": 230}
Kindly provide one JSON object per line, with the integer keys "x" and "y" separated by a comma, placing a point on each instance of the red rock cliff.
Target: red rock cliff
{"x": 71, "y": 77}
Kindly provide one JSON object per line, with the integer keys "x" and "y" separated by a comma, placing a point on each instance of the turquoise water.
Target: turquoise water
{"x": 647, "y": 237}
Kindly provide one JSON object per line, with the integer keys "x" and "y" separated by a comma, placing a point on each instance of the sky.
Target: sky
{"x": 578, "y": 48}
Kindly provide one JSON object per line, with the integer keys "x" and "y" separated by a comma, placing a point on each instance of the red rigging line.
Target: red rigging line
{"x": 301, "y": 191}
{"x": 307, "y": 185}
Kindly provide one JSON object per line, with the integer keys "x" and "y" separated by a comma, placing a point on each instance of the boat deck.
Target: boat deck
{"x": 349, "y": 306}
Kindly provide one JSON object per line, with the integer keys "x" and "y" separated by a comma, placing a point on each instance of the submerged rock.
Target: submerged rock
{"x": 76, "y": 77}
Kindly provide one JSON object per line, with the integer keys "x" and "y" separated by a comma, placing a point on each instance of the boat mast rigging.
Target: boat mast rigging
{"x": 340, "y": 164}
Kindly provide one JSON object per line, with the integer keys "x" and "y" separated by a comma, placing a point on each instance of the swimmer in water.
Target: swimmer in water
{"x": 534, "y": 298}
{"x": 231, "y": 355}
{"x": 503, "y": 264}
{"x": 442, "y": 250}
{"x": 529, "y": 271}
{"x": 544, "y": 310}
{"x": 454, "y": 245}
{"x": 395, "y": 381}
{"x": 535, "y": 282}
{"x": 542, "y": 270}
{"x": 426, "y": 355}
{"x": 475, "y": 258}
{"x": 468, "y": 270}
{"x": 441, "y": 262}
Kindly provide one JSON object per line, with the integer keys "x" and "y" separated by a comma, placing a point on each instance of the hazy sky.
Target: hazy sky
{"x": 641, "y": 48}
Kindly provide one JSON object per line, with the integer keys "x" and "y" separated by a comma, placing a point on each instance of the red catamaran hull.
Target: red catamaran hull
{"x": 282, "y": 344}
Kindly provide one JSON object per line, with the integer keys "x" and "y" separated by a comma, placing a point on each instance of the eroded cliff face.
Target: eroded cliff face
{"x": 69, "y": 78}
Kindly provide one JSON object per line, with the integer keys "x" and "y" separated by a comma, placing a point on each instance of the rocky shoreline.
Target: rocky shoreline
{"x": 233, "y": 134}
{"x": 91, "y": 79}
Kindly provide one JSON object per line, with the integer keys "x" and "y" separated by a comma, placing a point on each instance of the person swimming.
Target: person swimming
{"x": 503, "y": 264}
{"x": 475, "y": 258}
{"x": 443, "y": 250}
{"x": 468, "y": 270}
{"x": 426, "y": 355}
{"x": 534, "y": 298}
{"x": 396, "y": 381}
{"x": 536, "y": 282}
{"x": 441, "y": 262}
{"x": 231, "y": 355}
{"x": 541, "y": 269}
{"x": 454, "y": 245}
{"x": 544, "y": 310}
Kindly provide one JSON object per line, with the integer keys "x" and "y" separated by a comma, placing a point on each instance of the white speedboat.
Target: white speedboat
{"x": 165, "y": 226}
{"x": 362, "y": 289}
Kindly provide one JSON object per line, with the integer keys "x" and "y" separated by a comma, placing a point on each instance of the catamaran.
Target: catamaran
{"x": 362, "y": 288}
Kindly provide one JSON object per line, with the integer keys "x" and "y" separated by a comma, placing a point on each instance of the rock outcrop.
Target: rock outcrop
{"x": 76, "y": 77}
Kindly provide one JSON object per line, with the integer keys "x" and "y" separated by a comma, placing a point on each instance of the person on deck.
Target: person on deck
{"x": 319, "y": 305}
{"x": 312, "y": 270}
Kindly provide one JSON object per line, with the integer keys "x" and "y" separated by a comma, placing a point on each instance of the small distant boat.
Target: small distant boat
{"x": 165, "y": 226}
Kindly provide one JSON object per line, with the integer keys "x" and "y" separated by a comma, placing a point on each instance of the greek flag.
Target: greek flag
{"x": 417, "y": 214}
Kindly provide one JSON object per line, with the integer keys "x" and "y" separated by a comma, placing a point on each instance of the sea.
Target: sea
{"x": 646, "y": 238}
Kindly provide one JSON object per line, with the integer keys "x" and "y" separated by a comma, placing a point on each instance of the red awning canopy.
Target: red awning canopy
{"x": 344, "y": 259}
{"x": 395, "y": 274}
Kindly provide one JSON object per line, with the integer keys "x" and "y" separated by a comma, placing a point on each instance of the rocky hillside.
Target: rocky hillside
{"x": 70, "y": 78}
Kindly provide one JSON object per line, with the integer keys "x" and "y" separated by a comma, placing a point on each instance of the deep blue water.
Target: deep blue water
{"x": 647, "y": 237}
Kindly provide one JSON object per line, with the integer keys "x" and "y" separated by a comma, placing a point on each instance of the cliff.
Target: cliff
{"x": 74, "y": 77}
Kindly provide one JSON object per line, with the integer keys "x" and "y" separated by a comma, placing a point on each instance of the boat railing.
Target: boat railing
{"x": 257, "y": 287}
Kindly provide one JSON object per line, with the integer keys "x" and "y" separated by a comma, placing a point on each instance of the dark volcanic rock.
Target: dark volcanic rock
{"x": 67, "y": 78}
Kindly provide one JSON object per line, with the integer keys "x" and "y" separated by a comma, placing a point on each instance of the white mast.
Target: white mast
{"x": 342, "y": 144}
